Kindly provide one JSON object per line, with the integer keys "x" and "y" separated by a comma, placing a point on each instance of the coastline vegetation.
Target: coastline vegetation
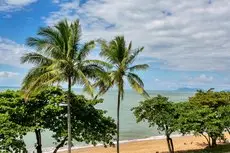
{"x": 43, "y": 111}
{"x": 204, "y": 114}
{"x": 62, "y": 58}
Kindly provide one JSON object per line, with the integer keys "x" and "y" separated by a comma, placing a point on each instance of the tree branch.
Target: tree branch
{"x": 60, "y": 145}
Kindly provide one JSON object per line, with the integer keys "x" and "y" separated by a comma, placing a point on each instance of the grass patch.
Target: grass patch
{"x": 219, "y": 149}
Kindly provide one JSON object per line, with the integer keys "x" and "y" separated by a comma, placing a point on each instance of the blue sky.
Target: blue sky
{"x": 187, "y": 43}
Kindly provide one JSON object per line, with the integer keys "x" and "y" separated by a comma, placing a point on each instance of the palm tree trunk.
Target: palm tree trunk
{"x": 118, "y": 119}
{"x": 69, "y": 115}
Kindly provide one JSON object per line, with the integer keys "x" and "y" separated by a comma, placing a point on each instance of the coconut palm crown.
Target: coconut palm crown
{"x": 60, "y": 57}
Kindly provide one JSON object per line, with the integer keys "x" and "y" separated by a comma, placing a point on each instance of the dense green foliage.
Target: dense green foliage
{"x": 43, "y": 112}
{"x": 11, "y": 106}
{"x": 159, "y": 111}
{"x": 205, "y": 113}
{"x": 121, "y": 55}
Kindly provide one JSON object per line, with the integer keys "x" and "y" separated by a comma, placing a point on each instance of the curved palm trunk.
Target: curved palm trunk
{"x": 69, "y": 115}
{"x": 118, "y": 119}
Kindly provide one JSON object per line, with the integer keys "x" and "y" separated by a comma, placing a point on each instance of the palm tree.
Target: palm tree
{"x": 60, "y": 57}
{"x": 122, "y": 58}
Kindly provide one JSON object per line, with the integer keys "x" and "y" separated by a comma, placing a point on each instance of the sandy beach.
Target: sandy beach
{"x": 182, "y": 143}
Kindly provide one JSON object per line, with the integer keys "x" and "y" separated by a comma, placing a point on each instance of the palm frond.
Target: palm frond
{"x": 51, "y": 34}
{"x": 139, "y": 67}
{"x": 45, "y": 47}
{"x": 65, "y": 32}
{"x": 84, "y": 81}
{"x": 136, "y": 78}
{"x": 38, "y": 78}
{"x": 134, "y": 55}
{"x": 137, "y": 86}
{"x": 85, "y": 50}
{"x": 119, "y": 45}
{"x": 104, "y": 83}
{"x": 98, "y": 62}
{"x": 35, "y": 58}
{"x": 74, "y": 39}
{"x": 108, "y": 51}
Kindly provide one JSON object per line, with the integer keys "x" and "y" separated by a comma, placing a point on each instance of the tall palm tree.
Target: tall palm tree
{"x": 60, "y": 57}
{"x": 122, "y": 58}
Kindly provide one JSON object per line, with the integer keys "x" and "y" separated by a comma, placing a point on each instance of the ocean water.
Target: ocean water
{"x": 129, "y": 129}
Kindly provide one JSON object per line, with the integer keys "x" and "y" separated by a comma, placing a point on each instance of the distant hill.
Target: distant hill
{"x": 227, "y": 90}
{"x": 188, "y": 89}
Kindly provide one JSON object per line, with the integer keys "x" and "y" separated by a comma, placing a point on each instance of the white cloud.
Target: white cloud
{"x": 201, "y": 79}
{"x": 184, "y": 35}
{"x": 5, "y": 74}
{"x": 11, "y": 5}
{"x": 11, "y": 52}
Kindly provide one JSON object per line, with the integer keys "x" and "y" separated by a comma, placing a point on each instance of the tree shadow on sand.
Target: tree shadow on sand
{"x": 224, "y": 148}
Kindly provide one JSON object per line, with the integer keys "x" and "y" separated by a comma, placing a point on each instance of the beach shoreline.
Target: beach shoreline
{"x": 149, "y": 145}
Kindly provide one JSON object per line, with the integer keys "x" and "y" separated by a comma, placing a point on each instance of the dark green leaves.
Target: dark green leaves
{"x": 157, "y": 111}
{"x": 43, "y": 111}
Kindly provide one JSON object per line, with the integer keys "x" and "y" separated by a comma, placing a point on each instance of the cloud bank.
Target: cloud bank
{"x": 5, "y": 74}
{"x": 11, "y": 52}
{"x": 12, "y": 5}
{"x": 182, "y": 35}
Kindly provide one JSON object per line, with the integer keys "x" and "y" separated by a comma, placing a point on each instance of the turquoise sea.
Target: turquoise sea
{"x": 129, "y": 129}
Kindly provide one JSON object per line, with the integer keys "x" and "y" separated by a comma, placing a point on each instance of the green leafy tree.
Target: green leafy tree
{"x": 159, "y": 111}
{"x": 206, "y": 115}
{"x": 59, "y": 58}
{"x": 42, "y": 111}
{"x": 11, "y": 133}
{"x": 29, "y": 116}
{"x": 41, "y": 108}
{"x": 223, "y": 113}
{"x": 89, "y": 124}
{"x": 210, "y": 98}
{"x": 122, "y": 57}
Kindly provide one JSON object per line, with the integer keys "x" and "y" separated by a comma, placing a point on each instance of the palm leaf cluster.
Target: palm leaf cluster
{"x": 122, "y": 57}
{"x": 61, "y": 57}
